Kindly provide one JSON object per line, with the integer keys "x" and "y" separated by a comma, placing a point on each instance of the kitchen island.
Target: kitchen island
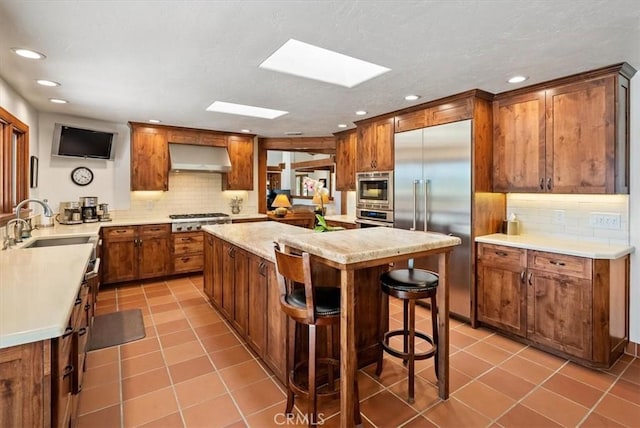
{"x": 358, "y": 256}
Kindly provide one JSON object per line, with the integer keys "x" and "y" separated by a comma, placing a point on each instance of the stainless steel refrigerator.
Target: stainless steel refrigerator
{"x": 432, "y": 192}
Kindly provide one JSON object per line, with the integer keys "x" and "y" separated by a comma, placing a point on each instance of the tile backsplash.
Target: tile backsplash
{"x": 595, "y": 218}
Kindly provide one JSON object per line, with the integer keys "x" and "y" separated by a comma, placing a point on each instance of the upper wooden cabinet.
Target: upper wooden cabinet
{"x": 241, "y": 155}
{"x": 566, "y": 136}
{"x": 149, "y": 158}
{"x": 375, "y": 146}
{"x": 200, "y": 138}
{"x": 346, "y": 160}
{"x": 438, "y": 112}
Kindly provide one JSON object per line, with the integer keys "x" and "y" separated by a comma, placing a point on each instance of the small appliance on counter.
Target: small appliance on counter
{"x": 103, "y": 212}
{"x": 89, "y": 208}
{"x": 69, "y": 213}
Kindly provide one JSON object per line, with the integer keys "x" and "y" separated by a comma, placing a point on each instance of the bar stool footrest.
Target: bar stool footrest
{"x": 302, "y": 390}
{"x": 405, "y": 355}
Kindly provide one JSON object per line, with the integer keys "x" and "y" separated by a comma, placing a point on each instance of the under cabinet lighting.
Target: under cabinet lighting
{"x": 58, "y": 101}
{"x": 28, "y": 53}
{"x": 245, "y": 110}
{"x": 517, "y": 79}
{"x": 45, "y": 82}
{"x": 316, "y": 63}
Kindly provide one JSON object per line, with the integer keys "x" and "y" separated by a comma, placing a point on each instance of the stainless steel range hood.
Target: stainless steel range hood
{"x": 187, "y": 157}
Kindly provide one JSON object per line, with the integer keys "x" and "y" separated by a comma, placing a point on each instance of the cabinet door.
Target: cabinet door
{"x": 384, "y": 145}
{"x": 559, "y": 312}
{"x": 257, "y": 295}
{"x": 154, "y": 257}
{"x": 277, "y": 323}
{"x": 581, "y": 137}
{"x": 120, "y": 263}
{"x": 240, "y": 289}
{"x": 346, "y": 162}
{"x": 216, "y": 271}
{"x": 365, "y": 148}
{"x": 501, "y": 289}
{"x": 228, "y": 279}
{"x": 519, "y": 143}
{"x": 149, "y": 159}
{"x": 241, "y": 155}
{"x": 209, "y": 262}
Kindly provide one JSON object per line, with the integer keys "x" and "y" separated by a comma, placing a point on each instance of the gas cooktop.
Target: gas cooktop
{"x": 198, "y": 216}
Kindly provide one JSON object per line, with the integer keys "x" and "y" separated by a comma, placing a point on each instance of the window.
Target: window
{"x": 14, "y": 163}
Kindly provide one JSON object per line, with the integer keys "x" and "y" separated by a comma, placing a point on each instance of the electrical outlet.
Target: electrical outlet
{"x": 558, "y": 217}
{"x": 605, "y": 221}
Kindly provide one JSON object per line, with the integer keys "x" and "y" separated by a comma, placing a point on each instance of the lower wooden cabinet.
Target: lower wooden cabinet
{"x": 135, "y": 252}
{"x": 575, "y": 307}
{"x": 336, "y": 223}
{"x": 188, "y": 252}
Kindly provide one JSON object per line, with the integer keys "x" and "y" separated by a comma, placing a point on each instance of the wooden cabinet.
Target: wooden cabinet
{"x": 258, "y": 286}
{"x": 240, "y": 289}
{"x": 213, "y": 274}
{"x": 188, "y": 252}
{"x": 149, "y": 158}
{"x": 241, "y": 156}
{"x": 375, "y": 146}
{"x": 208, "y": 268}
{"x": 196, "y": 137}
{"x": 302, "y": 219}
{"x": 228, "y": 280}
{"x": 575, "y": 307}
{"x": 566, "y": 136}
{"x": 346, "y": 225}
{"x": 136, "y": 252}
{"x": 346, "y": 160}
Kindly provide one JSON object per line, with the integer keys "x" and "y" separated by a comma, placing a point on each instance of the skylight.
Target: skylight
{"x": 312, "y": 62}
{"x": 244, "y": 110}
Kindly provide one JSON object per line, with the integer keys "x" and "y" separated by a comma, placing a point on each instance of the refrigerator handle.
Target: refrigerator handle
{"x": 415, "y": 186}
{"x": 426, "y": 204}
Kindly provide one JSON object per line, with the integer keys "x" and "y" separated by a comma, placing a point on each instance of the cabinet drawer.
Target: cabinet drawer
{"x": 190, "y": 263}
{"x": 186, "y": 243}
{"x": 119, "y": 233}
{"x": 560, "y": 264}
{"x": 152, "y": 230}
{"x": 508, "y": 256}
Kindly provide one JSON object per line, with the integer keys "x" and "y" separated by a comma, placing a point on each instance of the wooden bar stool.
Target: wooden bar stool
{"x": 313, "y": 306}
{"x": 409, "y": 285}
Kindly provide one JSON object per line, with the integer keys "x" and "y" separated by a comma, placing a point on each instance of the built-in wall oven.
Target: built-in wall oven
{"x": 373, "y": 218}
{"x": 374, "y": 190}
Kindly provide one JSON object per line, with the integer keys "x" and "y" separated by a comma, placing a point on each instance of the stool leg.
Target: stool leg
{"x": 434, "y": 326}
{"x": 412, "y": 347}
{"x": 291, "y": 343}
{"x": 312, "y": 407}
{"x": 405, "y": 325}
{"x": 330, "y": 355}
{"x": 384, "y": 319}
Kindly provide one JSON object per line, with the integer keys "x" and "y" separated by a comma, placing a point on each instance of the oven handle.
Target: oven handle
{"x": 373, "y": 222}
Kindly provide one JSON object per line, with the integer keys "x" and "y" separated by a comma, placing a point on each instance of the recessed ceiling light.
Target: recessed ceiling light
{"x": 28, "y": 53}
{"x": 155, "y": 121}
{"x": 517, "y": 79}
{"x": 58, "y": 101}
{"x": 412, "y": 97}
{"x": 312, "y": 62}
{"x": 361, "y": 112}
{"x": 246, "y": 131}
{"x": 244, "y": 110}
{"x": 45, "y": 82}
{"x": 342, "y": 125}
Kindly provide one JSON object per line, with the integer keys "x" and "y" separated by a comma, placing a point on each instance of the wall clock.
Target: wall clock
{"x": 82, "y": 176}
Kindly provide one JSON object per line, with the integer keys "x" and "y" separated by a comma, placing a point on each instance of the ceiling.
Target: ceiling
{"x": 122, "y": 61}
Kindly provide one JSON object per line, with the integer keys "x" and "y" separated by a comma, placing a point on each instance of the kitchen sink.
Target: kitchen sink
{"x": 53, "y": 242}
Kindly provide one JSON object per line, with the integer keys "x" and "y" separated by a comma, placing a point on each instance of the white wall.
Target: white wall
{"x": 634, "y": 210}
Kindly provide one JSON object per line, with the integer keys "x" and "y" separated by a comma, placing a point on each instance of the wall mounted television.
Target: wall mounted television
{"x": 69, "y": 141}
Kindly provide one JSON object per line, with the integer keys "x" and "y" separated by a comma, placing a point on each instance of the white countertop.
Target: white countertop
{"x": 592, "y": 250}
{"x": 38, "y": 287}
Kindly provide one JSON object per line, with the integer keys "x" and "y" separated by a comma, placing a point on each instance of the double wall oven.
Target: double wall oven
{"x": 374, "y": 199}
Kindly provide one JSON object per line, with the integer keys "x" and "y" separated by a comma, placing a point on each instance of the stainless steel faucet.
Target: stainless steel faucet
{"x": 25, "y": 232}
{"x": 19, "y": 225}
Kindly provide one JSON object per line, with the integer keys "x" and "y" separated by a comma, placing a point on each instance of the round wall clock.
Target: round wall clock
{"x": 82, "y": 176}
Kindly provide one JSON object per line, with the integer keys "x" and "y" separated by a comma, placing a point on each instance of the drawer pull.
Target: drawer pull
{"x": 87, "y": 307}
{"x": 67, "y": 370}
{"x": 82, "y": 331}
{"x": 67, "y": 332}
{"x": 501, "y": 253}
{"x": 78, "y": 301}
{"x": 553, "y": 262}
{"x": 121, "y": 231}
{"x": 185, "y": 259}
{"x": 186, "y": 239}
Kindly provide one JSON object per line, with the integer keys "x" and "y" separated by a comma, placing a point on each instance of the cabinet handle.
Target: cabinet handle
{"x": 549, "y": 183}
{"x": 553, "y": 262}
{"x": 522, "y": 275}
{"x": 78, "y": 301}
{"x": 186, "y": 239}
{"x": 82, "y": 331}
{"x": 121, "y": 231}
{"x": 501, "y": 253}
{"x": 530, "y": 280}
{"x": 67, "y": 332}
{"x": 67, "y": 370}
{"x": 87, "y": 307}
{"x": 542, "y": 184}
{"x": 185, "y": 259}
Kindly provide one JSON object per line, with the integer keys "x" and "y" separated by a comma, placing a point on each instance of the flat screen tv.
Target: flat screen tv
{"x": 82, "y": 143}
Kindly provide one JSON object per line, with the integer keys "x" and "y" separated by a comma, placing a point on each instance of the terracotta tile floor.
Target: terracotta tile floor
{"x": 192, "y": 370}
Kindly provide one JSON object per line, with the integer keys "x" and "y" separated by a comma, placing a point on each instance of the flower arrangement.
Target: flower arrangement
{"x": 320, "y": 196}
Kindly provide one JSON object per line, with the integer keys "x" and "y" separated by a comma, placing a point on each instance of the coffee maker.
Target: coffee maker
{"x": 89, "y": 208}
{"x": 103, "y": 212}
{"x": 70, "y": 213}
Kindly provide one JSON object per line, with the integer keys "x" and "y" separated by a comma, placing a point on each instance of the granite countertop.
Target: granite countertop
{"x": 343, "y": 218}
{"x": 361, "y": 245}
{"x": 257, "y": 238}
{"x": 38, "y": 287}
{"x": 551, "y": 244}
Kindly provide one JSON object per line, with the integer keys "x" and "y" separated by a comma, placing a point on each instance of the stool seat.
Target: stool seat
{"x": 327, "y": 300}
{"x": 410, "y": 280}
